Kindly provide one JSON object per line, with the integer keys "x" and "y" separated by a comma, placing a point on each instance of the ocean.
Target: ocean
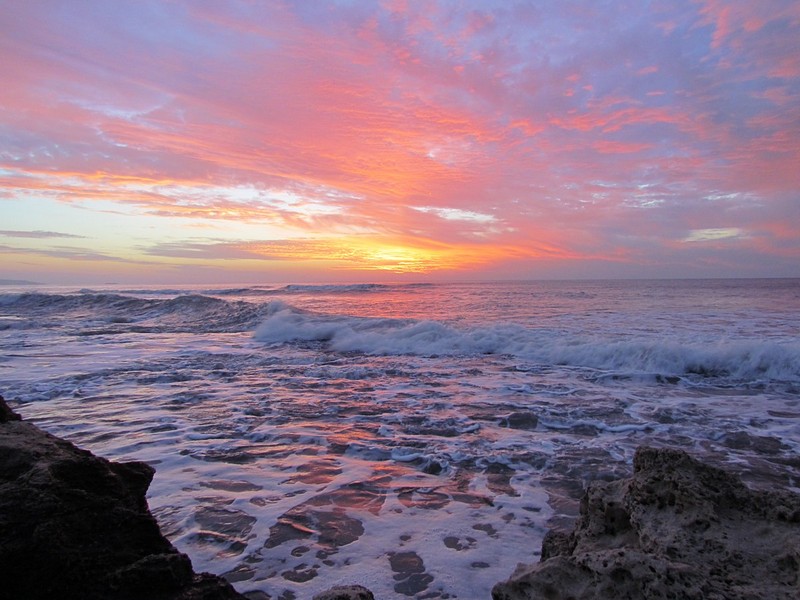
{"x": 419, "y": 439}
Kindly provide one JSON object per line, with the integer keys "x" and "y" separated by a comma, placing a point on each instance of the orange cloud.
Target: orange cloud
{"x": 370, "y": 129}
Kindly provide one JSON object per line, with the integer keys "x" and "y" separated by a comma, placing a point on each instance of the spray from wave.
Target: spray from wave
{"x": 736, "y": 360}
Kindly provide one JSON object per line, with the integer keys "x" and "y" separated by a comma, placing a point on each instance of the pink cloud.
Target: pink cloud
{"x": 576, "y": 144}
{"x": 647, "y": 70}
{"x": 610, "y": 147}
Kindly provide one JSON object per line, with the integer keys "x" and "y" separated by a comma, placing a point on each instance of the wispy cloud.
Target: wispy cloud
{"x": 69, "y": 253}
{"x": 712, "y": 235}
{"x": 456, "y": 214}
{"x": 38, "y": 234}
{"x": 490, "y": 133}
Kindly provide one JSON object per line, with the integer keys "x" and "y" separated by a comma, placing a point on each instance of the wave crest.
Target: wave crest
{"x": 745, "y": 360}
{"x": 188, "y": 312}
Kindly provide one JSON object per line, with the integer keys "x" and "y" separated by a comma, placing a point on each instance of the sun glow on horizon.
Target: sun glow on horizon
{"x": 420, "y": 139}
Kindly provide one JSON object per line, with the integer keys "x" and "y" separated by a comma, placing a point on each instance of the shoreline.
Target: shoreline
{"x": 676, "y": 526}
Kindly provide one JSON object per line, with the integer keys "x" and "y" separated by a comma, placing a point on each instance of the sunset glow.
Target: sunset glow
{"x": 440, "y": 139}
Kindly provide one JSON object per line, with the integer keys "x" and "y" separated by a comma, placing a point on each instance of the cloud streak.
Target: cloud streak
{"x": 37, "y": 234}
{"x": 454, "y": 138}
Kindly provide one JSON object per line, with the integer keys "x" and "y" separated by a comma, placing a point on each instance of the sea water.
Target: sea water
{"x": 417, "y": 439}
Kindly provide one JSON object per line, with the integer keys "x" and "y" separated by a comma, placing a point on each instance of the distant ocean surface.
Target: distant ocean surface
{"x": 417, "y": 439}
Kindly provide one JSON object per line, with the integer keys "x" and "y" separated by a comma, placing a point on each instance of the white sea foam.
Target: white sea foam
{"x": 751, "y": 360}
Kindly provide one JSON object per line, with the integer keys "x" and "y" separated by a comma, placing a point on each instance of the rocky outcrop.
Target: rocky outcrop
{"x": 677, "y": 529}
{"x": 73, "y": 525}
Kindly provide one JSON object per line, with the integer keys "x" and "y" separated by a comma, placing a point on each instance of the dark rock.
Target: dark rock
{"x": 677, "y": 529}
{"x": 345, "y": 592}
{"x": 410, "y": 572}
{"x": 760, "y": 444}
{"x": 332, "y": 529}
{"x": 75, "y": 526}
{"x": 6, "y": 414}
{"x": 521, "y": 420}
{"x": 557, "y": 543}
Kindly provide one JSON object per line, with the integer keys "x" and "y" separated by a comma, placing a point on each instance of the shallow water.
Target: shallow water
{"x": 417, "y": 439}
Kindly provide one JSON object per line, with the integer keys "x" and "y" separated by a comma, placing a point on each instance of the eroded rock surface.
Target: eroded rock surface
{"x": 677, "y": 529}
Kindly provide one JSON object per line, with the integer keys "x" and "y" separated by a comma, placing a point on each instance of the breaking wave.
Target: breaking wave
{"x": 745, "y": 360}
{"x": 88, "y": 310}
{"x": 732, "y": 361}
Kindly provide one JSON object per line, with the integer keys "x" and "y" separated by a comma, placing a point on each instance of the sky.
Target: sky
{"x": 195, "y": 141}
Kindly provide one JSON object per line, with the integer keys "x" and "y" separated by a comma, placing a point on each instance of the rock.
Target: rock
{"x": 677, "y": 529}
{"x": 6, "y": 414}
{"x": 760, "y": 444}
{"x": 75, "y": 526}
{"x": 521, "y": 420}
{"x": 345, "y": 592}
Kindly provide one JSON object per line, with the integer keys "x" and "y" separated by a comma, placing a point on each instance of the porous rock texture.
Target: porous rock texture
{"x": 75, "y": 526}
{"x": 677, "y": 529}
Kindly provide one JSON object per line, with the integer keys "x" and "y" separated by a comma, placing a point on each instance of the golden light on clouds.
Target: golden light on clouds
{"x": 307, "y": 140}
